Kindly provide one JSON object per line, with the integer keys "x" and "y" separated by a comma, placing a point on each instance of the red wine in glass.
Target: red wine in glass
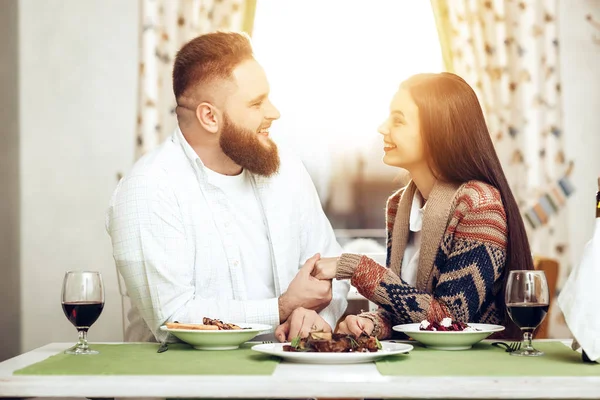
{"x": 527, "y": 298}
{"x": 83, "y": 314}
{"x": 82, "y": 303}
{"x": 527, "y": 316}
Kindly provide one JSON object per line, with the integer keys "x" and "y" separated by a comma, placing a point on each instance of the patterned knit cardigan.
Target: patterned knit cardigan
{"x": 462, "y": 257}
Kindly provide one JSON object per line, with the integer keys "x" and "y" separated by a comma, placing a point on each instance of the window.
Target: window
{"x": 333, "y": 66}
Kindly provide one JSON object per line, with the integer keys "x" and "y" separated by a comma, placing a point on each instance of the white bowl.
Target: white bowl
{"x": 445, "y": 340}
{"x": 218, "y": 340}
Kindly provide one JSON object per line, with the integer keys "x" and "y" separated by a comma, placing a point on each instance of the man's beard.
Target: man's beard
{"x": 245, "y": 149}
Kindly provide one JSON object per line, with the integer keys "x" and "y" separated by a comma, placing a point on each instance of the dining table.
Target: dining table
{"x": 137, "y": 370}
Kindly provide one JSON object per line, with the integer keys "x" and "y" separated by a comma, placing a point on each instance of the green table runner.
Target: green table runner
{"x": 142, "y": 359}
{"x": 486, "y": 360}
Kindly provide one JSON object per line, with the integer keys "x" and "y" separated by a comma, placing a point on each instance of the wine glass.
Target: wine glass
{"x": 82, "y": 302}
{"x": 527, "y": 300}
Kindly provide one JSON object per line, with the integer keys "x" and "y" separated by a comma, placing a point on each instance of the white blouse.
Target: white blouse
{"x": 410, "y": 261}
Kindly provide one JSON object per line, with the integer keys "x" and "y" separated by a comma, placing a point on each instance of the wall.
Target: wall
{"x": 9, "y": 181}
{"x": 580, "y": 63}
{"x": 78, "y": 82}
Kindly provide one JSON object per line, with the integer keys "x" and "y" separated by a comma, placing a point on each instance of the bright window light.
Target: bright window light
{"x": 333, "y": 66}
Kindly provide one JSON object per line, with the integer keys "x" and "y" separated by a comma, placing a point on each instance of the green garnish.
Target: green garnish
{"x": 353, "y": 342}
{"x": 296, "y": 342}
{"x": 379, "y": 347}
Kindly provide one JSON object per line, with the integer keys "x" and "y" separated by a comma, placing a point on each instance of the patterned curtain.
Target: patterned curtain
{"x": 165, "y": 26}
{"x": 508, "y": 51}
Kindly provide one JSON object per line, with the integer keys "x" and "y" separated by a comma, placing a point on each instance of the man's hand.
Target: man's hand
{"x": 305, "y": 291}
{"x": 325, "y": 268}
{"x": 355, "y": 325}
{"x": 300, "y": 323}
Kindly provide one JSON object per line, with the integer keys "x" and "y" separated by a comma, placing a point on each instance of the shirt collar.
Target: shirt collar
{"x": 416, "y": 212}
{"x": 191, "y": 155}
{"x": 187, "y": 149}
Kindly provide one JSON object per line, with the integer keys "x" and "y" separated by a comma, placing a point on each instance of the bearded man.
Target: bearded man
{"x": 217, "y": 222}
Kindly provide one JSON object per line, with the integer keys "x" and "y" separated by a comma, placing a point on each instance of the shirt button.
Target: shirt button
{"x": 236, "y": 263}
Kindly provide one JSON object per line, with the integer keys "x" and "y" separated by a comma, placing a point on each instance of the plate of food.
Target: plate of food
{"x": 333, "y": 348}
{"x": 214, "y": 334}
{"x": 448, "y": 334}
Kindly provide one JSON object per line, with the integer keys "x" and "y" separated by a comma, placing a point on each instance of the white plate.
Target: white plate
{"x": 218, "y": 340}
{"x": 276, "y": 349}
{"x": 443, "y": 340}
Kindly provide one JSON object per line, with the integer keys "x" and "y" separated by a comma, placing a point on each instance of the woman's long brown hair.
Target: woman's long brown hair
{"x": 459, "y": 148}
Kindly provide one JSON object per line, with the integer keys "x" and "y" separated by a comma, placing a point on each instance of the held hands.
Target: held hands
{"x": 300, "y": 323}
{"x": 355, "y": 325}
{"x": 325, "y": 268}
{"x": 305, "y": 291}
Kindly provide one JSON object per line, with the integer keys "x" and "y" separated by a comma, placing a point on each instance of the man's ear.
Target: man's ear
{"x": 207, "y": 116}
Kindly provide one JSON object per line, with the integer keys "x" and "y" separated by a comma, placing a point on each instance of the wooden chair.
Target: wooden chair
{"x": 550, "y": 268}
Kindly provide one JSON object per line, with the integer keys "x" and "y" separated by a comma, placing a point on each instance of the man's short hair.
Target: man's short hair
{"x": 208, "y": 57}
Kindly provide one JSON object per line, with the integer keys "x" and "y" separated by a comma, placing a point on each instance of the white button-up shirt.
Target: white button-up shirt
{"x": 175, "y": 246}
{"x": 252, "y": 236}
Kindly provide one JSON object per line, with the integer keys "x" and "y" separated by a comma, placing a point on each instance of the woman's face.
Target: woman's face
{"x": 401, "y": 132}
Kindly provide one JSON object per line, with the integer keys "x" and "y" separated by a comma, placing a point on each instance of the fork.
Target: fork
{"x": 164, "y": 345}
{"x": 510, "y": 347}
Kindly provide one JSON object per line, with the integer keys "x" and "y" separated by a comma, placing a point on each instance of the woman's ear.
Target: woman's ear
{"x": 206, "y": 114}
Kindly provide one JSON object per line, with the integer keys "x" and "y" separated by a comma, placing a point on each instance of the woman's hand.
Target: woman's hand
{"x": 300, "y": 323}
{"x": 355, "y": 325}
{"x": 325, "y": 268}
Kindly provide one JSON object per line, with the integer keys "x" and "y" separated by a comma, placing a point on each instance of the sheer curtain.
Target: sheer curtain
{"x": 508, "y": 51}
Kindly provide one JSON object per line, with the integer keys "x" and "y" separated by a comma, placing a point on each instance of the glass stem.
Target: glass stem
{"x": 82, "y": 344}
{"x": 527, "y": 338}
